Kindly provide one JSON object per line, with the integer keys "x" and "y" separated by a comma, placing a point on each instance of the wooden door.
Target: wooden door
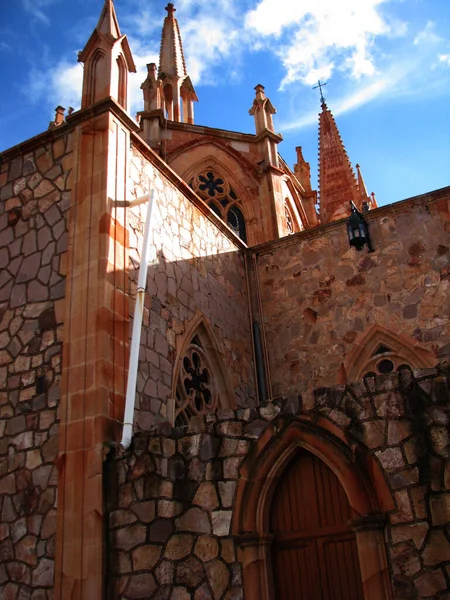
{"x": 314, "y": 552}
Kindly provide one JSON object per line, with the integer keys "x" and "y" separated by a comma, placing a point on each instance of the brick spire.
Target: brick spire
{"x": 173, "y": 73}
{"x": 337, "y": 180}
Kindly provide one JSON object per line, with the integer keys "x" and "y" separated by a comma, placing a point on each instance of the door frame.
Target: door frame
{"x": 259, "y": 475}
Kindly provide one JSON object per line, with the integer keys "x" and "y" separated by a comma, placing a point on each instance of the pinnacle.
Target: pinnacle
{"x": 108, "y": 23}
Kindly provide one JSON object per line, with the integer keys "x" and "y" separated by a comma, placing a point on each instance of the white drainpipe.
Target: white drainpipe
{"x": 128, "y": 418}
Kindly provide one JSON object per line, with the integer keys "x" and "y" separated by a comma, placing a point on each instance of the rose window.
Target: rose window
{"x": 210, "y": 184}
{"x": 222, "y": 199}
{"x": 196, "y": 390}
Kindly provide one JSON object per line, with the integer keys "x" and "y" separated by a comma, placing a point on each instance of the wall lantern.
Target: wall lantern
{"x": 358, "y": 230}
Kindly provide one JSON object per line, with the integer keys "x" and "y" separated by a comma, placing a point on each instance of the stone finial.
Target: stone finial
{"x": 170, "y": 9}
{"x": 260, "y": 95}
{"x": 302, "y": 170}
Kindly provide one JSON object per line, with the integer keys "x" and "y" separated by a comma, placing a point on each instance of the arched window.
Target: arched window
{"x": 168, "y": 101}
{"x": 380, "y": 351}
{"x": 384, "y": 361}
{"x": 222, "y": 199}
{"x": 200, "y": 385}
{"x": 236, "y": 221}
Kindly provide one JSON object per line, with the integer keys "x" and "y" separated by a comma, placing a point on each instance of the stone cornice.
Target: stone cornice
{"x": 203, "y": 130}
{"x": 382, "y": 211}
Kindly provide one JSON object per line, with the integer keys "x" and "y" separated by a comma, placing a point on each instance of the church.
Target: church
{"x": 215, "y": 381}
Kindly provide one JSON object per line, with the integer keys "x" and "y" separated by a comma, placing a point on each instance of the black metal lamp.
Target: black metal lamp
{"x": 358, "y": 230}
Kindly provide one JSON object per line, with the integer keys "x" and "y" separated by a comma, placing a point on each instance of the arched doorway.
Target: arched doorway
{"x": 314, "y": 550}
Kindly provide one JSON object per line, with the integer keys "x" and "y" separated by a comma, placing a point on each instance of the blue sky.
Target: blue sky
{"x": 387, "y": 63}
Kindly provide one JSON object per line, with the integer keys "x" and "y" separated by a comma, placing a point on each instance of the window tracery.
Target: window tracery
{"x": 384, "y": 361}
{"x": 222, "y": 199}
{"x": 197, "y": 392}
{"x": 289, "y": 219}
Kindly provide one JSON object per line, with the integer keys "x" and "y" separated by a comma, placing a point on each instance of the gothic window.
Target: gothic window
{"x": 200, "y": 385}
{"x": 196, "y": 389}
{"x": 236, "y": 221}
{"x": 384, "y": 361}
{"x": 222, "y": 199}
{"x": 289, "y": 219}
{"x": 379, "y": 351}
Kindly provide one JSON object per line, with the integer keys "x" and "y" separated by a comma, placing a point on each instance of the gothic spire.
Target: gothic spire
{"x": 337, "y": 180}
{"x": 171, "y": 56}
{"x": 108, "y": 23}
{"x": 368, "y": 201}
{"x": 177, "y": 86}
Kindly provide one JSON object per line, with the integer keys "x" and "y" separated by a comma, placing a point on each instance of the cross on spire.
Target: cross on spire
{"x": 320, "y": 86}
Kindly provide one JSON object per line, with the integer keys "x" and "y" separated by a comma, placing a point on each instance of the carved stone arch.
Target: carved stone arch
{"x": 400, "y": 347}
{"x": 236, "y": 178}
{"x": 259, "y": 476}
{"x": 243, "y": 163}
{"x": 200, "y": 383}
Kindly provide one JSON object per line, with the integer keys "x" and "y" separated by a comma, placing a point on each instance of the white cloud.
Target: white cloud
{"x": 428, "y": 35}
{"x": 60, "y": 85}
{"x": 36, "y": 8}
{"x": 445, "y": 59}
{"x": 321, "y": 35}
{"x": 207, "y": 42}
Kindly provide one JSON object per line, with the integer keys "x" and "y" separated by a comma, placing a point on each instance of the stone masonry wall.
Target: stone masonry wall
{"x": 320, "y": 296}
{"x": 35, "y": 197}
{"x": 171, "y": 498}
{"x": 195, "y": 270}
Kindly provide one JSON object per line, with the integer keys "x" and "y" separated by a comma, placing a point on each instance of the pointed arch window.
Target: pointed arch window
{"x": 381, "y": 351}
{"x": 216, "y": 191}
{"x": 236, "y": 221}
{"x": 201, "y": 385}
{"x": 385, "y": 360}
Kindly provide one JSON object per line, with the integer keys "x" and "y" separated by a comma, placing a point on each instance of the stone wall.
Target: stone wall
{"x": 173, "y": 498}
{"x": 35, "y": 197}
{"x": 320, "y": 296}
{"x": 194, "y": 270}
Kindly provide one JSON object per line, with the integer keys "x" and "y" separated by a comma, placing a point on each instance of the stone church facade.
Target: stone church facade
{"x": 291, "y": 419}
